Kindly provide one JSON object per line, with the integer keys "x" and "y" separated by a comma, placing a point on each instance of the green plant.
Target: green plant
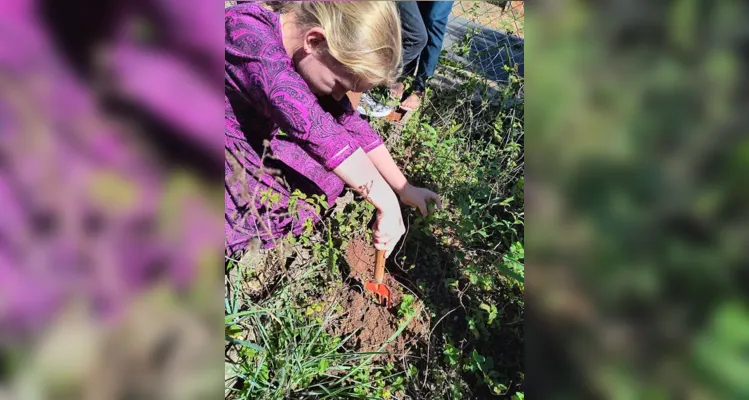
{"x": 406, "y": 308}
{"x": 452, "y": 354}
{"x": 473, "y": 156}
{"x": 512, "y": 264}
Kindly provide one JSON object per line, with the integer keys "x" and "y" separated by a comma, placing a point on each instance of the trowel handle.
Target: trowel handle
{"x": 379, "y": 266}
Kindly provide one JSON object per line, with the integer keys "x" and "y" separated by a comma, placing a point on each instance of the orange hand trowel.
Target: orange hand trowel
{"x": 377, "y": 287}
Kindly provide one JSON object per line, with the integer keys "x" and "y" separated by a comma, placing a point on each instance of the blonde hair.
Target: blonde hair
{"x": 364, "y": 36}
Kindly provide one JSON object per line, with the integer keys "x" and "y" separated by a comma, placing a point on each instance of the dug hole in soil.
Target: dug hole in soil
{"x": 374, "y": 324}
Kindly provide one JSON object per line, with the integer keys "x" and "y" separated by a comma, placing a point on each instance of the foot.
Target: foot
{"x": 413, "y": 101}
{"x": 397, "y": 91}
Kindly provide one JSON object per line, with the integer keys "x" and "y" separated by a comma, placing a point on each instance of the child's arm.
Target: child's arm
{"x": 372, "y": 143}
{"x": 409, "y": 194}
{"x": 359, "y": 173}
{"x": 385, "y": 164}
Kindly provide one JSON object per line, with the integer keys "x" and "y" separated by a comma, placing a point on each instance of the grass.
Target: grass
{"x": 293, "y": 357}
{"x": 465, "y": 264}
{"x": 279, "y": 347}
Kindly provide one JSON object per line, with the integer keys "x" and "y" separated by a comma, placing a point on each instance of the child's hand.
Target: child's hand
{"x": 419, "y": 198}
{"x": 388, "y": 229}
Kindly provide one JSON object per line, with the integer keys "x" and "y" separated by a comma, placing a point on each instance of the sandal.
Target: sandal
{"x": 417, "y": 96}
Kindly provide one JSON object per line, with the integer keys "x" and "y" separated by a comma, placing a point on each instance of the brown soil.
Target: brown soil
{"x": 374, "y": 325}
{"x": 361, "y": 258}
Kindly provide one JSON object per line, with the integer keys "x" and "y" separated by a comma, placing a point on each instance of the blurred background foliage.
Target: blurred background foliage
{"x": 637, "y": 232}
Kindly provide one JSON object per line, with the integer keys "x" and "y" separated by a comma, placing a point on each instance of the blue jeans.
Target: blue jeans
{"x": 424, "y": 24}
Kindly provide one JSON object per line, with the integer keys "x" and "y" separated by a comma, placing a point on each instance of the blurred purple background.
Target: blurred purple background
{"x": 111, "y": 162}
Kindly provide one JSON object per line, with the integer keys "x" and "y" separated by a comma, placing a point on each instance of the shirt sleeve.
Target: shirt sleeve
{"x": 258, "y": 68}
{"x": 368, "y": 138}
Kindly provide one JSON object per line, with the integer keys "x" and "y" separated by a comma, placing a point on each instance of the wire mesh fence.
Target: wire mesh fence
{"x": 479, "y": 84}
{"x": 486, "y": 36}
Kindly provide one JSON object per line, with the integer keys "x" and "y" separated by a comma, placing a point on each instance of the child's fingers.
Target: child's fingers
{"x": 422, "y": 206}
{"x": 381, "y": 239}
{"x": 436, "y": 198}
{"x": 389, "y": 247}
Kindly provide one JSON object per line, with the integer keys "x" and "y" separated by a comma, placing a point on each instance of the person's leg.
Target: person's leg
{"x": 435, "y": 15}
{"x": 414, "y": 38}
{"x": 413, "y": 32}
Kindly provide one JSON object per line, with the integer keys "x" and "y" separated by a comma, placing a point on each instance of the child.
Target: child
{"x": 291, "y": 70}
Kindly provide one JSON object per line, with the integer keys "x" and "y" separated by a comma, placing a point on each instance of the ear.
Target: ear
{"x": 313, "y": 39}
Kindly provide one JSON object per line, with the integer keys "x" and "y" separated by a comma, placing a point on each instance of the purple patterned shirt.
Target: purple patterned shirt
{"x": 264, "y": 93}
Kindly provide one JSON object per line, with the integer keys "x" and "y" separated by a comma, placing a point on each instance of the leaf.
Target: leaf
{"x": 406, "y": 307}
{"x": 322, "y": 366}
{"x": 506, "y": 202}
{"x": 453, "y": 129}
{"x": 513, "y": 273}
{"x": 477, "y": 357}
{"x": 451, "y": 354}
{"x": 517, "y": 250}
{"x": 429, "y": 128}
{"x": 234, "y": 330}
{"x": 499, "y": 388}
{"x": 492, "y": 314}
{"x": 472, "y": 327}
{"x": 486, "y": 282}
{"x": 244, "y": 343}
{"x": 275, "y": 197}
{"x": 491, "y": 310}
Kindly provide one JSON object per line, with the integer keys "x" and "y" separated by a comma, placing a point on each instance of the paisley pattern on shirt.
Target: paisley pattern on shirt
{"x": 264, "y": 93}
